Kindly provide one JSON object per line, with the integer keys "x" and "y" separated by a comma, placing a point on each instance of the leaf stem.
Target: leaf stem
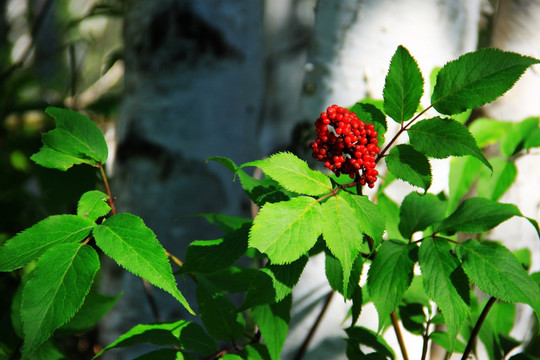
{"x": 425, "y": 340}
{"x": 477, "y": 327}
{"x": 303, "y": 348}
{"x": 399, "y": 335}
{"x": 110, "y": 199}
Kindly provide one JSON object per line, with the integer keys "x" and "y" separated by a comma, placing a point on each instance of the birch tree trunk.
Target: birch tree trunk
{"x": 193, "y": 89}
{"x": 352, "y": 43}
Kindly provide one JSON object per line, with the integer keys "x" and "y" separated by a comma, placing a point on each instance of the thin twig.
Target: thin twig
{"x": 302, "y": 350}
{"x": 110, "y": 199}
{"x": 399, "y": 335}
{"x": 477, "y": 327}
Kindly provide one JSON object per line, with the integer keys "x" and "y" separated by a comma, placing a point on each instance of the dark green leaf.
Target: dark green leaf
{"x": 390, "y": 275}
{"x": 273, "y": 322}
{"x": 226, "y": 223}
{"x": 252, "y": 352}
{"x": 477, "y": 78}
{"x": 449, "y": 344}
{"x": 184, "y": 334}
{"x": 371, "y": 114}
{"x": 413, "y": 317}
{"x": 34, "y": 241}
{"x": 286, "y": 230}
{"x": 410, "y": 165}
{"x": 93, "y": 204}
{"x": 128, "y": 241}
{"x": 228, "y": 163}
{"x": 403, "y": 86}
{"x": 55, "y": 291}
{"x": 334, "y": 274}
{"x": 417, "y": 212}
{"x": 446, "y": 283}
{"x": 440, "y": 138}
{"x": 232, "y": 279}
{"x": 166, "y": 354}
{"x": 273, "y": 283}
{"x": 361, "y": 340}
{"x": 476, "y": 215}
{"x": 95, "y": 306}
{"x": 294, "y": 174}
{"x": 498, "y": 273}
{"x": 218, "y": 314}
{"x": 207, "y": 256}
{"x": 264, "y": 190}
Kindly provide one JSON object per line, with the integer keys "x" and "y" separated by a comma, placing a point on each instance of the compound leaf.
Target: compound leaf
{"x": 293, "y": 174}
{"x": 34, "y": 241}
{"x": 286, "y": 230}
{"x": 93, "y": 204}
{"x": 403, "y": 86}
{"x": 55, "y": 291}
{"x": 390, "y": 275}
{"x": 477, "y": 78}
{"x": 128, "y": 241}
{"x": 498, "y": 273}
{"x": 446, "y": 283}
{"x": 410, "y": 165}
{"x": 440, "y": 138}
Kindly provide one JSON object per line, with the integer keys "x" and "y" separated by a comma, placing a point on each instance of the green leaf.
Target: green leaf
{"x": 476, "y": 215}
{"x": 390, "y": 275}
{"x": 403, "y": 86}
{"x": 286, "y": 230}
{"x": 533, "y": 139}
{"x": 252, "y": 352}
{"x": 55, "y": 291}
{"x": 446, "y": 283}
{"x": 184, "y": 334}
{"x": 440, "y": 138}
{"x": 218, "y": 314}
{"x": 417, "y": 212}
{"x": 228, "y": 163}
{"x": 128, "y": 241}
{"x": 513, "y": 140}
{"x": 410, "y": 165}
{"x": 232, "y": 279}
{"x": 273, "y": 322}
{"x": 273, "y": 283}
{"x": 413, "y": 317}
{"x": 488, "y": 131}
{"x": 167, "y": 354}
{"x": 390, "y": 211}
{"x": 264, "y": 190}
{"x": 370, "y": 217}
{"x": 463, "y": 173}
{"x": 95, "y": 306}
{"x": 498, "y": 273}
{"x": 93, "y": 205}
{"x": 293, "y": 174}
{"x": 446, "y": 342}
{"x": 493, "y": 186}
{"x": 206, "y": 256}
{"x": 343, "y": 232}
{"x": 34, "y": 241}
{"x": 75, "y": 140}
{"x": 477, "y": 78}
{"x": 360, "y": 340}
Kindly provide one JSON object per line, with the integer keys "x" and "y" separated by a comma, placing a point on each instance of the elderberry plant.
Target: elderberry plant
{"x": 304, "y": 212}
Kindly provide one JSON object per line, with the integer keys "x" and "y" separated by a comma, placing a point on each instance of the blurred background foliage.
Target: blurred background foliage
{"x": 65, "y": 53}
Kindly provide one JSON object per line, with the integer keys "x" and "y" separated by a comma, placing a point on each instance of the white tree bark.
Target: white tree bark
{"x": 193, "y": 89}
{"x": 351, "y": 48}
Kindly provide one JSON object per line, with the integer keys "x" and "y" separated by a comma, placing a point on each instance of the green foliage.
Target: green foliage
{"x": 303, "y": 212}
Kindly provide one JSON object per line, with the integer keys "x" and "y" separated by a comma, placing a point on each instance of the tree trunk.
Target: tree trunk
{"x": 193, "y": 89}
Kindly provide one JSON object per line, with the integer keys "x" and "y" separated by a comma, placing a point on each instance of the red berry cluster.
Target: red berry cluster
{"x": 346, "y": 144}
